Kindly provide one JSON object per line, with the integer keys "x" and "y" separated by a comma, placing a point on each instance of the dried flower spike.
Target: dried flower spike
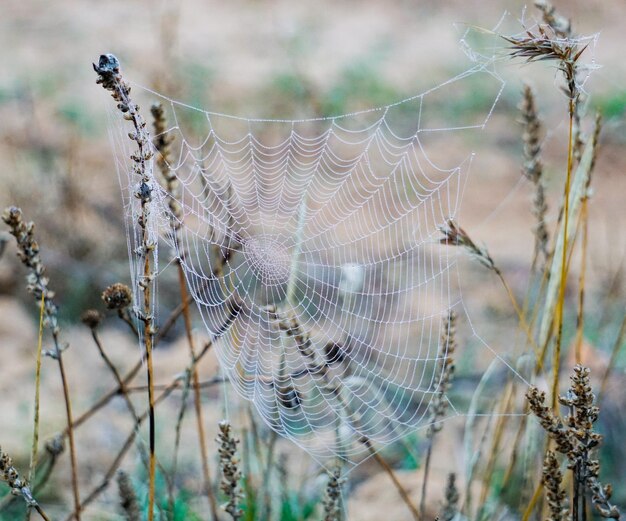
{"x": 445, "y": 372}
{"x": 28, "y": 252}
{"x": 229, "y": 463}
{"x": 10, "y": 475}
{"x": 576, "y": 439}
{"x": 561, "y": 25}
{"x": 454, "y": 235}
{"x": 332, "y": 496}
{"x": 451, "y": 505}
{"x": 128, "y": 498}
{"x": 552, "y": 481}
{"x": 533, "y": 170}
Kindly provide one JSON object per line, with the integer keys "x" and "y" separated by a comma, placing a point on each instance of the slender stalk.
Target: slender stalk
{"x": 518, "y": 311}
{"x": 556, "y": 360}
{"x": 167, "y": 390}
{"x": 130, "y": 375}
{"x": 392, "y": 475}
{"x": 506, "y": 402}
{"x": 197, "y": 398}
{"x": 28, "y": 252}
{"x": 533, "y": 502}
{"x": 110, "y": 77}
{"x": 115, "y": 372}
{"x": 41, "y": 512}
{"x": 35, "y": 443}
{"x": 580, "y": 317}
{"x": 70, "y": 430}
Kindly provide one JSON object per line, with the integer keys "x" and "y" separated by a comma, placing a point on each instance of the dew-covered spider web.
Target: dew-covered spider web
{"x": 312, "y": 250}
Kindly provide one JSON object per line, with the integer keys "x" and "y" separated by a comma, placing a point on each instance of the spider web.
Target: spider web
{"x": 311, "y": 248}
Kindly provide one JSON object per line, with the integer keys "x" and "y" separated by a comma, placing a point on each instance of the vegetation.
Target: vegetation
{"x": 520, "y": 472}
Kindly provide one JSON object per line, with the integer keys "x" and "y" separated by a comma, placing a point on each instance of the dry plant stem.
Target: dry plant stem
{"x": 104, "y": 483}
{"x": 131, "y": 437}
{"x": 28, "y": 252}
{"x": 556, "y": 360}
{"x": 70, "y": 431}
{"x": 108, "y": 70}
{"x": 580, "y": 317}
{"x": 518, "y": 311}
{"x": 533, "y": 502}
{"x": 35, "y": 442}
{"x": 506, "y": 403}
{"x": 130, "y": 375}
{"x": 197, "y": 398}
{"x": 206, "y": 384}
{"x": 577, "y": 191}
{"x": 584, "y": 218}
{"x": 115, "y": 373}
{"x": 439, "y": 403}
{"x": 399, "y": 487}
{"x": 454, "y": 235}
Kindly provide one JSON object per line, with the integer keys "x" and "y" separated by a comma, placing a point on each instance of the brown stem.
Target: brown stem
{"x": 115, "y": 372}
{"x": 387, "y": 468}
{"x": 130, "y": 375}
{"x": 128, "y": 443}
{"x": 429, "y": 453}
{"x": 120, "y": 456}
{"x": 41, "y": 512}
{"x": 196, "y": 395}
{"x": 561, "y": 300}
{"x": 580, "y": 317}
{"x": 70, "y": 430}
{"x": 518, "y": 311}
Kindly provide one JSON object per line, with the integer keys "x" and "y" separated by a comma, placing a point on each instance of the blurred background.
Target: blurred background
{"x": 270, "y": 59}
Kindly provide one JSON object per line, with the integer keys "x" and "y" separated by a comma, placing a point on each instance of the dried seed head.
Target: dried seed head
{"x": 533, "y": 170}
{"x": 332, "y": 496}
{"x": 454, "y": 235}
{"x": 451, "y": 505}
{"x": 229, "y": 463}
{"x": 445, "y": 372}
{"x": 575, "y": 438}
{"x": 117, "y": 296}
{"x": 553, "y": 425}
{"x": 28, "y": 253}
{"x": 561, "y": 25}
{"x": 552, "y": 479}
{"x": 10, "y": 475}
{"x": 128, "y": 498}
{"x": 91, "y": 318}
{"x": 55, "y": 446}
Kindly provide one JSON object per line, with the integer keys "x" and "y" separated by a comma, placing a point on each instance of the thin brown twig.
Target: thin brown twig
{"x": 392, "y": 475}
